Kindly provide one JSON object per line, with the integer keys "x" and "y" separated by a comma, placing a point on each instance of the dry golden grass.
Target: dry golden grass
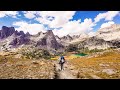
{"x": 16, "y": 68}
{"x": 88, "y": 66}
{"x": 105, "y": 65}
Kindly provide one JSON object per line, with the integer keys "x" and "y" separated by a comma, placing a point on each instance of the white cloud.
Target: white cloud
{"x": 8, "y": 13}
{"x": 107, "y": 24}
{"x": 42, "y": 20}
{"x": 31, "y": 28}
{"x": 60, "y": 18}
{"x": 56, "y": 19}
{"x": 29, "y": 14}
{"x": 107, "y": 16}
{"x": 99, "y": 17}
{"x": 67, "y": 28}
{"x": 111, "y": 14}
{"x": 75, "y": 27}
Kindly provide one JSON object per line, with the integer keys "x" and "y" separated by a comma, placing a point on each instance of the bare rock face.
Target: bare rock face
{"x": 109, "y": 33}
{"x": 19, "y": 38}
{"x": 67, "y": 38}
{"x": 57, "y": 38}
{"x": 94, "y": 42}
{"x": 49, "y": 41}
{"x": 42, "y": 42}
{"x": 108, "y": 37}
{"x": 27, "y": 34}
{"x": 76, "y": 36}
{"x": 19, "y": 41}
{"x": 116, "y": 43}
{"x": 71, "y": 39}
{"x": 21, "y": 33}
{"x": 12, "y": 37}
{"x": 6, "y": 32}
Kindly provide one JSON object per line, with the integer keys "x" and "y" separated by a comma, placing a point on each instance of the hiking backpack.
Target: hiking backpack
{"x": 62, "y": 60}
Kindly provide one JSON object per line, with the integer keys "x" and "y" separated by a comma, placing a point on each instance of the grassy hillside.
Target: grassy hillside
{"x": 105, "y": 65}
{"x": 16, "y": 68}
{"x": 95, "y": 65}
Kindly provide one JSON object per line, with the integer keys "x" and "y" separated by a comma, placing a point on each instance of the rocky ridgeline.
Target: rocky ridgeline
{"x": 49, "y": 41}
{"x": 109, "y": 33}
{"x": 104, "y": 38}
{"x": 12, "y": 38}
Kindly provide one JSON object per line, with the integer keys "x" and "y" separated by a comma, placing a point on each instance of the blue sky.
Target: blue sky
{"x": 61, "y": 22}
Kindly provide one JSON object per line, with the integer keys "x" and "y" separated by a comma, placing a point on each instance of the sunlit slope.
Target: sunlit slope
{"x": 16, "y": 68}
{"x": 105, "y": 65}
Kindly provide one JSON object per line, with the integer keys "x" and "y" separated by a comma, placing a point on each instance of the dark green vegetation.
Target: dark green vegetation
{"x": 71, "y": 48}
{"x": 36, "y": 54}
{"x": 81, "y": 51}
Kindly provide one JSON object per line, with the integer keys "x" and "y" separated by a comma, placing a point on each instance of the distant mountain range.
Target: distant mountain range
{"x": 104, "y": 38}
{"x": 11, "y": 38}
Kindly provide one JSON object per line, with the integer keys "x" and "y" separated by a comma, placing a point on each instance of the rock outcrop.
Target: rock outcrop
{"x": 19, "y": 40}
{"x": 109, "y": 33}
{"x": 12, "y": 38}
{"x": 6, "y": 32}
{"x": 49, "y": 41}
{"x": 67, "y": 38}
{"x": 97, "y": 43}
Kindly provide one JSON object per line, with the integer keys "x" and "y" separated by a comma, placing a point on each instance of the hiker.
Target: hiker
{"x": 61, "y": 61}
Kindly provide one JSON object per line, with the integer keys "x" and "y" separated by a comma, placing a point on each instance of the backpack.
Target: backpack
{"x": 62, "y": 59}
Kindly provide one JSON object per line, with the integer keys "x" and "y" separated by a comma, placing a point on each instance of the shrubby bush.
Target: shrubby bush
{"x": 71, "y": 48}
{"x": 45, "y": 54}
{"x": 96, "y": 50}
{"x": 36, "y": 54}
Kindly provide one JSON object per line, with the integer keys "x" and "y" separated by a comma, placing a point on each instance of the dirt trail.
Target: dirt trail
{"x": 66, "y": 73}
{"x": 69, "y": 72}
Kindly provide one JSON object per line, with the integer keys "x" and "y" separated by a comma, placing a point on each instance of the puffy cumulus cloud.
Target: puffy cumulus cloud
{"x": 99, "y": 17}
{"x": 8, "y": 13}
{"x": 107, "y": 24}
{"x": 30, "y": 14}
{"x": 87, "y": 25}
{"x": 107, "y": 16}
{"x": 55, "y": 19}
{"x": 31, "y": 28}
{"x": 43, "y": 21}
{"x": 111, "y": 14}
{"x": 68, "y": 28}
{"x": 75, "y": 27}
